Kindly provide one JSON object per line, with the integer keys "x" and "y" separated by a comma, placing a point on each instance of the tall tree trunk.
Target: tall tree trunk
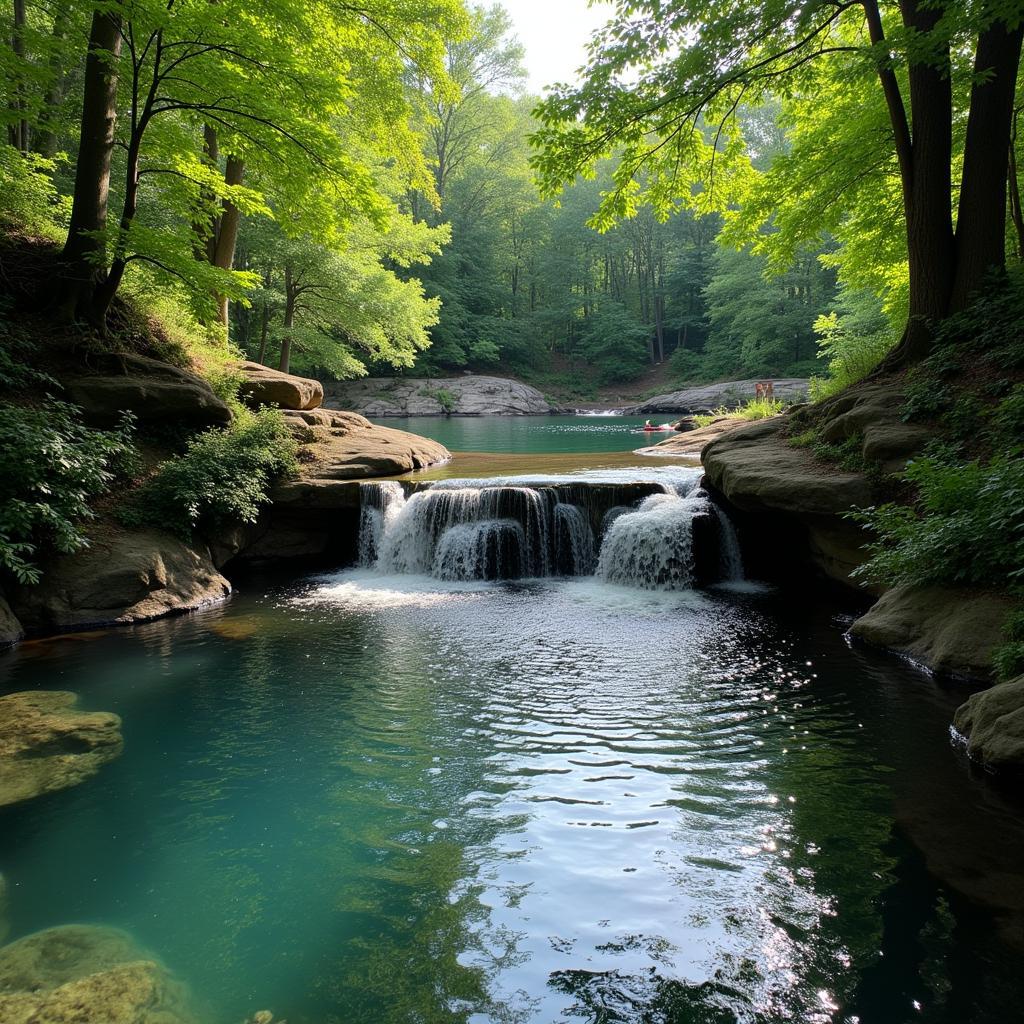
{"x": 930, "y": 242}
{"x": 981, "y": 218}
{"x": 84, "y": 253}
{"x": 1016, "y": 210}
{"x": 227, "y": 233}
{"x": 289, "y": 321}
{"x": 264, "y": 334}
{"x": 18, "y": 131}
{"x": 44, "y": 139}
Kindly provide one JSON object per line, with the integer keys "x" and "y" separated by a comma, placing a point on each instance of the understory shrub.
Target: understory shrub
{"x": 222, "y": 477}
{"x": 755, "y": 409}
{"x": 53, "y": 467}
{"x": 965, "y": 526}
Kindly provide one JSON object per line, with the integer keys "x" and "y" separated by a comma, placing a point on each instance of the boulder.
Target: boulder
{"x": 10, "y": 628}
{"x": 47, "y": 744}
{"x": 80, "y": 974}
{"x": 315, "y": 516}
{"x": 793, "y": 504}
{"x": 153, "y": 391}
{"x": 756, "y": 468}
{"x": 873, "y": 411}
{"x": 265, "y": 386}
{"x": 729, "y": 394}
{"x": 346, "y": 446}
{"x": 950, "y": 630}
{"x": 123, "y": 576}
{"x": 468, "y": 395}
{"x": 992, "y": 722}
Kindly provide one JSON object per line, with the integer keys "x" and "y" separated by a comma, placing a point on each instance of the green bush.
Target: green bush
{"x": 223, "y": 476}
{"x": 966, "y": 525}
{"x": 1008, "y": 659}
{"x": 53, "y": 467}
{"x": 687, "y": 366}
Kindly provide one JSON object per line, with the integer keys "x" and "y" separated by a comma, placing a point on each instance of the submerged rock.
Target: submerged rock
{"x": 122, "y": 577}
{"x": 468, "y": 395}
{"x": 951, "y": 630}
{"x": 993, "y": 723}
{"x": 78, "y": 974}
{"x": 47, "y": 744}
{"x": 264, "y": 386}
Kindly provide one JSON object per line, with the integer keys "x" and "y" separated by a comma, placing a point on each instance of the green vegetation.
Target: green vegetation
{"x": 223, "y": 476}
{"x": 54, "y": 468}
{"x": 754, "y": 409}
{"x": 443, "y": 397}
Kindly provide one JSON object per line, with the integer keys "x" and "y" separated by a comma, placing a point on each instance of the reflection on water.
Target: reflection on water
{"x": 547, "y": 435}
{"x": 376, "y": 799}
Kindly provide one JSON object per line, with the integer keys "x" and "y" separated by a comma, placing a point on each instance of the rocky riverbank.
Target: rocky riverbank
{"x": 468, "y": 395}
{"x": 791, "y": 509}
{"x": 129, "y": 575}
{"x": 730, "y": 394}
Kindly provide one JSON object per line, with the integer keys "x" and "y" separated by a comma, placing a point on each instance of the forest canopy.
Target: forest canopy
{"x": 728, "y": 189}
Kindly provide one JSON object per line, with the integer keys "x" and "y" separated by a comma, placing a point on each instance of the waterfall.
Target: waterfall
{"x": 657, "y": 533}
{"x": 574, "y": 540}
{"x": 728, "y": 546}
{"x": 489, "y": 550}
{"x": 652, "y": 548}
{"x": 380, "y": 503}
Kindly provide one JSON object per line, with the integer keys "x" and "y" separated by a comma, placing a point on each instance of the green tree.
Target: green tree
{"x": 285, "y": 88}
{"x": 666, "y": 80}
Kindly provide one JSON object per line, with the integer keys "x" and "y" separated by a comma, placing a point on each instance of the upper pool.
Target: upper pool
{"x": 539, "y": 435}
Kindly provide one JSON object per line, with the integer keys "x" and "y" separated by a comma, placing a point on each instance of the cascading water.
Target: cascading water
{"x": 380, "y": 502}
{"x": 574, "y": 540}
{"x": 656, "y": 533}
{"x": 652, "y": 548}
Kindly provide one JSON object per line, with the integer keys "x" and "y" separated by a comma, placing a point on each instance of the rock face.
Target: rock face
{"x": 316, "y": 515}
{"x": 792, "y": 500}
{"x": 462, "y": 396}
{"x": 346, "y": 446}
{"x": 47, "y": 744}
{"x": 872, "y": 412}
{"x": 951, "y": 631}
{"x": 264, "y": 386}
{"x": 153, "y": 391}
{"x": 993, "y": 723}
{"x": 86, "y": 975}
{"x": 729, "y": 395}
{"x": 124, "y": 576}
{"x": 10, "y": 628}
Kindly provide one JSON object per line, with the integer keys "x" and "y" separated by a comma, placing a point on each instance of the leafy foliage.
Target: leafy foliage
{"x": 966, "y": 525}
{"x": 223, "y": 477}
{"x": 54, "y": 467}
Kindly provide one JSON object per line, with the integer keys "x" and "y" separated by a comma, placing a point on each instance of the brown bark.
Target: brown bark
{"x": 45, "y": 138}
{"x": 290, "y": 297}
{"x": 1016, "y": 209}
{"x": 981, "y": 220}
{"x": 18, "y": 130}
{"x": 264, "y": 334}
{"x": 227, "y": 232}
{"x": 84, "y": 252}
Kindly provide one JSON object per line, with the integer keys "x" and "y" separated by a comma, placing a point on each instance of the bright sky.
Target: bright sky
{"x": 555, "y": 33}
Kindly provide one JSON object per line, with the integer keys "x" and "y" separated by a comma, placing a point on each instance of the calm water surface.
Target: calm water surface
{"x": 370, "y": 799}
{"x": 538, "y": 435}
{"x": 361, "y": 799}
